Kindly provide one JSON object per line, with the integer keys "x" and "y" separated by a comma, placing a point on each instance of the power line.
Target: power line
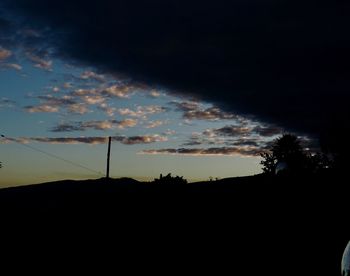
{"x": 52, "y": 155}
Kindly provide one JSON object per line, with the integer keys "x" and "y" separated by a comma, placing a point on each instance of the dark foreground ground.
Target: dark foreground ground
{"x": 240, "y": 226}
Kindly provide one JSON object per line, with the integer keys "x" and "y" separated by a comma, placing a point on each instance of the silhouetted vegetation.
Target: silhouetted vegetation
{"x": 287, "y": 156}
{"x": 243, "y": 214}
{"x": 168, "y": 179}
{"x": 335, "y": 144}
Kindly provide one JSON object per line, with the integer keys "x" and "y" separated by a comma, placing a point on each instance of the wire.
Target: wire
{"x": 52, "y": 155}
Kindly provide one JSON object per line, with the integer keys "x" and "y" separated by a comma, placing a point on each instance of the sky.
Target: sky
{"x": 195, "y": 88}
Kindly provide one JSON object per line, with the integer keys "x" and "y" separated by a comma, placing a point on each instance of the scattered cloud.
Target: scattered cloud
{"x": 195, "y": 111}
{"x": 154, "y": 94}
{"x": 104, "y": 91}
{"x": 216, "y": 151}
{"x": 185, "y": 105}
{"x": 14, "y": 66}
{"x": 169, "y": 132}
{"x": 87, "y": 75}
{"x": 67, "y": 85}
{"x": 96, "y": 125}
{"x": 145, "y": 139}
{"x": 110, "y": 111}
{"x": 50, "y": 104}
{"x": 127, "y": 123}
{"x": 78, "y": 109}
{"x": 42, "y": 108}
{"x": 4, "y": 53}
{"x": 93, "y": 99}
{"x": 6, "y": 103}
{"x": 119, "y": 91}
{"x": 40, "y": 62}
{"x": 268, "y": 131}
{"x": 231, "y": 131}
{"x": 55, "y": 89}
{"x": 154, "y": 124}
{"x": 142, "y": 111}
{"x": 132, "y": 140}
{"x": 240, "y": 135}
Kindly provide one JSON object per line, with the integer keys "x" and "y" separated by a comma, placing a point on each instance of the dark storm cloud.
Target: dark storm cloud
{"x": 286, "y": 62}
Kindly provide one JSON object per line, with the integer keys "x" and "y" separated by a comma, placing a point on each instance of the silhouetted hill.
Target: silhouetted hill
{"x": 246, "y": 225}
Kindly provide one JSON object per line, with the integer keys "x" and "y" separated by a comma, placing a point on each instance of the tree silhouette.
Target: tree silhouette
{"x": 286, "y": 152}
{"x": 168, "y": 179}
{"x": 269, "y": 162}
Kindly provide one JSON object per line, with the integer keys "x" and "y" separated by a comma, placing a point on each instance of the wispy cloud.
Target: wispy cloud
{"x": 52, "y": 104}
{"x": 143, "y": 139}
{"x": 241, "y": 134}
{"x": 195, "y": 111}
{"x": 42, "y": 108}
{"x": 131, "y": 140}
{"x": 40, "y": 62}
{"x": 127, "y": 123}
{"x": 110, "y": 111}
{"x": 119, "y": 91}
{"x": 105, "y": 91}
{"x": 67, "y": 85}
{"x": 231, "y": 131}
{"x": 96, "y": 125}
{"x": 87, "y": 75}
{"x": 215, "y": 151}
{"x": 142, "y": 111}
{"x": 154, "y": 124}
{"x": 268, "y": 131}
{"x": 78, "y": 109}
{"x": 6, "y": 103}
{"x": 154, "y": 94}
{"x": 14, "y": 66}
{"x": 4, "y": 53}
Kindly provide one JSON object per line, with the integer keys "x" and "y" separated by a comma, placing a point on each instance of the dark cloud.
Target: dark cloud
{"x": 268, "y": 131}
{"x": 286, "y": 62}
{"x": 243, "y": 134}
{"x": 250, "y": 142}
{"x": 67, "y": 127}
{"x": 231, "y": 131}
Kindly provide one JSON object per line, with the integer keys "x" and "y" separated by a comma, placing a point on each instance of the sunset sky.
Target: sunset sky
{"x": 194, "y": 88}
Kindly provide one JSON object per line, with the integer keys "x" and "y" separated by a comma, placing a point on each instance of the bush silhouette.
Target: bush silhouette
{"x": 168, "y": 179}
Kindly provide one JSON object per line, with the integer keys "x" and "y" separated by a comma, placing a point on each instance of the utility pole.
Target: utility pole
{"x": 108, "y": 156}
